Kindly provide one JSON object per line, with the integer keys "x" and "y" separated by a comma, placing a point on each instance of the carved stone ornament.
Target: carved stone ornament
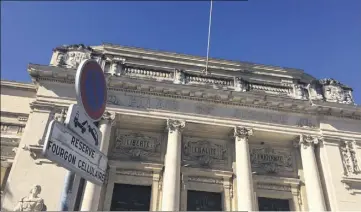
{"x": 270, "y": 160}
{"x": 242, "y": 132}
{"x": 240, "y": 84}
{"x": 32, "y": 202}
{"x": 174, "y": 125}
{"x": 306, "y": 141}
{"x": 136, "y": 146}
{"x": 70, "y": 56}
{"x": 334, "y": 91}
{"x": 349, "y": 158}
{"x": 315, "y": 90}
{"x": 179, "y": 77}
{"x": 204, "y": 153}
{"x": 108, "y": 117}
{"x": 299, "y": 92}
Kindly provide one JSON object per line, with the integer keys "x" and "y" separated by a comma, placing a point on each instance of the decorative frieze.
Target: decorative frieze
{"x": 268, "y": 160}
{"x": 349, "y": 158}
{"x": 136, "y": 146}
{"x": 204, "y": 153}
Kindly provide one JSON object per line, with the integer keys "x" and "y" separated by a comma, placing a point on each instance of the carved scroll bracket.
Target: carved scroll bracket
{"x": 353, "y": 185}
{"x": 35, "y": 152}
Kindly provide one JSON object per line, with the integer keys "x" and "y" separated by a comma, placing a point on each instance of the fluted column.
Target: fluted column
{"x": 92, "y": 191}
{"x": 314, "y": 192}
{"x": 171, "y": 176}
{"x": 245, "y": 196}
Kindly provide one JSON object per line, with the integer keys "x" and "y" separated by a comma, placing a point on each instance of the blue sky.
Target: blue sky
{"x": 321, "y": 37}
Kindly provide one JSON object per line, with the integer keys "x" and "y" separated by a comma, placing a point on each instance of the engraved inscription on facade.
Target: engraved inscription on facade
{"x": 204, "y": 109}
{"x": 204, "y": 153}
{"x": 204, "y": 180}
{"x": 136, "y": 146}
{"x": 268, "y": 117}
{"x": 269, "y": 160}
{"x": 185, "y": 106}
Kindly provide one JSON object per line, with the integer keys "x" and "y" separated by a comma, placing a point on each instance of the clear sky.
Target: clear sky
{"x": 321, "y": 37}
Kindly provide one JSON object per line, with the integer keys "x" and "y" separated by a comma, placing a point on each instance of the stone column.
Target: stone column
{"x": 313, "y": 185}
{"x": 92, "y": 191}
{"x": 171, "y": 176}
{"x": 245, "y": 196}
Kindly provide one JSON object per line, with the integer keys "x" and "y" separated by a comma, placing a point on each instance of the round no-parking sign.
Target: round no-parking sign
{"x": 91, "y": 89}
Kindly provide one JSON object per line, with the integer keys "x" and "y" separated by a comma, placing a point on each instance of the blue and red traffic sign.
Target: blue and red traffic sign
{"x": 91, "y": 89}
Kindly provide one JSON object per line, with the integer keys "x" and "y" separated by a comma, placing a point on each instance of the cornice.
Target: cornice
{"x": 18, "y": 85}
{"x": 205, "y": 94}
{"x": 213, "y": 62}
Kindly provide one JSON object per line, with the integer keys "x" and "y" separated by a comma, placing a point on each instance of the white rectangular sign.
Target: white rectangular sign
{"x": 80, "y": 123}
{"x": 73, "y": 153}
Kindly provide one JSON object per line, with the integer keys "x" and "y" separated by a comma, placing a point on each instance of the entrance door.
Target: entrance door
{"x": 130, "y": 198}
{"x": 204, "y": 201}
{"x": 270, "y": 204}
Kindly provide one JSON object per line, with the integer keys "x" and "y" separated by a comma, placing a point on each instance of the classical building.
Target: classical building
{"x": 240, "y": 136}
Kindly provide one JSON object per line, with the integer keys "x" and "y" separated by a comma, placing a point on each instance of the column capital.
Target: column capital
{"x": 174, "y": 125}
{"x": 306, "y": 141}
{"x": 108, "y": 117}
{"x": 242, "y": 132}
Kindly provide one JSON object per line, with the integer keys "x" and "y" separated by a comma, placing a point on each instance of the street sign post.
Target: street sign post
{"x": 80, "y": 123}
{"x": 71, "y": 152}
{"x": 75, "y": 146}
{"x": 91, "y": 89}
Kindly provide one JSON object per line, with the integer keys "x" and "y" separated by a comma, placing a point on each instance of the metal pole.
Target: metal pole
{"x": 68, "y": 186}
{"x": 69, "y": 179}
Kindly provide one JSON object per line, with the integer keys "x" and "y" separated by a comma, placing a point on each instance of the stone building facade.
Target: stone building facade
{"x": 242, "y": 136}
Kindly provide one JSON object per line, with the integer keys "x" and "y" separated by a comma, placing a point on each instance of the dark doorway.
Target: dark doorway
{"x": 270, "y": 204}
{"x": 204, "y": 201}
{"x": 130, "y": 198}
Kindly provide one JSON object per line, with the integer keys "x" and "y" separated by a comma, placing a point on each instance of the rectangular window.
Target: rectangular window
{"x": 204, "y": 201}
{"x": 272, "y": 204}
{"x": 131, "y": 198}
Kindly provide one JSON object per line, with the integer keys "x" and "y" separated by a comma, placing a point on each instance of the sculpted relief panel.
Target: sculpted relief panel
{"x": 205, "y": 153}
{"x": 136, "y": 146}
{"x": 268, "y": 160}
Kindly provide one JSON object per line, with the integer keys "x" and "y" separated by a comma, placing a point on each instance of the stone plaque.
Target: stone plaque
{"x": 270, "y": 160}
{"x": 136, "y": 146}
{"x": 204, "y": 153}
